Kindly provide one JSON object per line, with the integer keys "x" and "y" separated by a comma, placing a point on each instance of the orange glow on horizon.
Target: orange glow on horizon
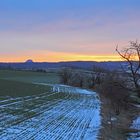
{"x": 58, "y": 56}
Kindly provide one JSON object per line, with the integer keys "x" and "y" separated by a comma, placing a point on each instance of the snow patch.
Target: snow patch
{"x": 135, "y": 125}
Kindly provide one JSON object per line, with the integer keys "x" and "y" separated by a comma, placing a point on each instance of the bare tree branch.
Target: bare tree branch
{"x": 131, "y": 54}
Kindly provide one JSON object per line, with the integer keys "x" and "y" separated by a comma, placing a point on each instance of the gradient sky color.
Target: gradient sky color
{"x": 66, "y": 30}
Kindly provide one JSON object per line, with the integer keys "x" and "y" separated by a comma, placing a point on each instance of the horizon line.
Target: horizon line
{"x": 63, "y": 61}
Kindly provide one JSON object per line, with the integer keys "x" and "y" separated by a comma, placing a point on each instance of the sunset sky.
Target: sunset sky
{"x": 66, "y": 30}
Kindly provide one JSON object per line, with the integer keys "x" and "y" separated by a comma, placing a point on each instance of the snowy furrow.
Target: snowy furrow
{"x": 71, "y": 113}
{"x": 42, "y": 107}
{"x": 49, "y": 119}
{"x": 39, "y": 108}
{"x": 54, "y": 128}
{"x": 22, "y": 99}
{"x": 19, "y": 105}
{"x": 29, "y": 125}
{"x": 10, "y": 99}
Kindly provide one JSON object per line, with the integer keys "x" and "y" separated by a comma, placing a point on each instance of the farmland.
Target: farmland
{"x": 29, "y": 77}
{"x": 30, "y": 111}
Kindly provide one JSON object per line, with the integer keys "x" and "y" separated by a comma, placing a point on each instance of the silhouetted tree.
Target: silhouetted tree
{"x": 131, "y": 55}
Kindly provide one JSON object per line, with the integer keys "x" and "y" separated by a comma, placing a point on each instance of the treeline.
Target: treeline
{"x": 110, "y": 84}
{"x": 81, "y": 78}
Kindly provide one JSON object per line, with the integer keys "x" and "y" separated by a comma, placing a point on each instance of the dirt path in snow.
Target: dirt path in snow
{"x": 67, "y": 113}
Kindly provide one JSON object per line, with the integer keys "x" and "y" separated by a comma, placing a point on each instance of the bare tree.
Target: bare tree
{"x": 97, "y": 75}
{"x": 65, "y": 75}
{"x": 131, "y": 55}
{"x": 111, "y": 88}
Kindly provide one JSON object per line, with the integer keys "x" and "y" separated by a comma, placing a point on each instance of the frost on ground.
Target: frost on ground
{"x": 67, "y": 113}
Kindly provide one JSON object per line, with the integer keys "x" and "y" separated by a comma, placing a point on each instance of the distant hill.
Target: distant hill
{"x": 29, "y": 61}
{"x": 29, "y": 65}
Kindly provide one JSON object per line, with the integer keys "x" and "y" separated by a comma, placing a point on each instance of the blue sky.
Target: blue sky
{"x": 29, "y": 28}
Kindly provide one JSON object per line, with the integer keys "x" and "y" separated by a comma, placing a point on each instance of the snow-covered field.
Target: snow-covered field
{"x": 67, "y": 113}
